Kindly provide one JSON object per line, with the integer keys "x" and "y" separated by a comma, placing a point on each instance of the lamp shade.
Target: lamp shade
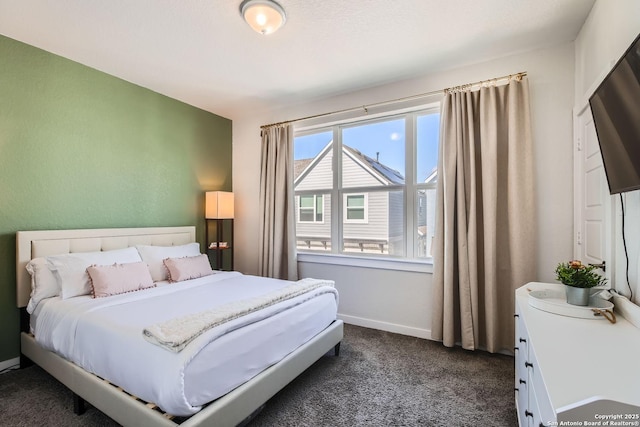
{"x": 218, "y": 205}
{"x": 264, "y": 16}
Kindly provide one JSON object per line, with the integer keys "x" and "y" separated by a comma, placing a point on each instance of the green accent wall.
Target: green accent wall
{"x": 82, "y": 149}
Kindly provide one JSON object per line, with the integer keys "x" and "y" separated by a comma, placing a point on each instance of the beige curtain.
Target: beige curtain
{"x": 486, "y": 233}
{"x": 277, "y": 257}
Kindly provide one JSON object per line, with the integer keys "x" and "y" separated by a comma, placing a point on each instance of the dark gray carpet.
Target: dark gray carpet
{"x": 379, "y": 379}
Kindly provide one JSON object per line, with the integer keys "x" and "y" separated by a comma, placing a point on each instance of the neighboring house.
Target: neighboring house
{"x": 426, "y": 205}
{"x": 373, "y": 220}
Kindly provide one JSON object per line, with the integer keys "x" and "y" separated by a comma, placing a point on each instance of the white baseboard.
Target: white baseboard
{"x": 385, "y": 326}
{"x": 9, "y": 363}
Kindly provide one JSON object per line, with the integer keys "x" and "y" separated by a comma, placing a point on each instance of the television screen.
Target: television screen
{"x": 615, "y": 107}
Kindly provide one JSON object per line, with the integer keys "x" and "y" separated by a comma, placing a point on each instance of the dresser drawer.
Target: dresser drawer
{"x": 545, "y": 414}
{"x": 521, "y": 385}
{"x": 522, "y": 404}
{"x": 533, "y": 416}
{"x": 520, "y": 349}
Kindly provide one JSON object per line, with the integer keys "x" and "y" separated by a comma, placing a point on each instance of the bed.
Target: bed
{"x": 219, "y": 398}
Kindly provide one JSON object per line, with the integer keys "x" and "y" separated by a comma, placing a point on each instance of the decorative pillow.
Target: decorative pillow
{"x": 154, "y": 255}
{"x": 107, "y": 280}
{"x": 71, "y": 269}
{"x": 186, "y": 268}
{"x": 43, "y": 283}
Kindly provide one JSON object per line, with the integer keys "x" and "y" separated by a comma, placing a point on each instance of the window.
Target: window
{"x": 355, "y": 208}
{"x": 310, "y": 208}
{"x": 368, "y": 186}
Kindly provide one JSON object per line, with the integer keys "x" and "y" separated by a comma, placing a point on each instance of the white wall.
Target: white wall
{"x": 606, "y": 34}
{"x": 401, "y": 301}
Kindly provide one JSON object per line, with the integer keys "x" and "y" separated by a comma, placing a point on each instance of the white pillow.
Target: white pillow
{"x": 71, "y": 269}
{"x": 43, "y": 283}
{"x": 155, "y": 255}
{"x": 107, "y": 280}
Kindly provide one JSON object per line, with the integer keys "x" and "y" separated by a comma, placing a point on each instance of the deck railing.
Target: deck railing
{"x": 361, "y": 243}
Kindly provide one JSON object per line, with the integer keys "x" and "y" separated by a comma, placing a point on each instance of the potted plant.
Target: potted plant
{"x": 578, "y": 280}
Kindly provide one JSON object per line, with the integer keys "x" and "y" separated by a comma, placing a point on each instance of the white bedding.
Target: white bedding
{"x": 104, "y": 336}
{"x": 177, "y": 333}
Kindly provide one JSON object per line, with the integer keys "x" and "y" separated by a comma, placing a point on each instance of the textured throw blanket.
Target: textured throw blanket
{"x": 175, "y": 334}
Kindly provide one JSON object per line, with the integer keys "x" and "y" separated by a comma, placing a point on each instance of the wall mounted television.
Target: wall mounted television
{"x": 615, "y": 106}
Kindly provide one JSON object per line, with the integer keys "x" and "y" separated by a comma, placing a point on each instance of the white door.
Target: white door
{"x": 593, "y": 206}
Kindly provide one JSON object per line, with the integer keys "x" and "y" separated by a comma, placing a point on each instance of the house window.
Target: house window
{"x": 355, "y": 208}
{"x": 310, "y": 208}
{"x": 367, "y": 186}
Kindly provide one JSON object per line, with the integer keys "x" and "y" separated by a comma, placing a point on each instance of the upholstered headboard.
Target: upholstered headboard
{"x": 35, "y": 244}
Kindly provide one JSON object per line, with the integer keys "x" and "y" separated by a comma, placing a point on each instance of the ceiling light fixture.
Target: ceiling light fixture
{"x": 264, "y": 16}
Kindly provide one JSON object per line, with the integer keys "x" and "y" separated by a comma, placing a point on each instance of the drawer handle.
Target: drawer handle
{"x": 522, "y": 381}
{"x": 516, "y": 315}
{"x": 528, "y": 414}
{"x": 528, "y": 365}
{"x": 523, "y": 340}
{"x": 516, "y": 389}
{"x": 515, "y": 348}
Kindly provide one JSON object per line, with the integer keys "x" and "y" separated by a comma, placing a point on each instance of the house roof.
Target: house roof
{"x": 389, "y": 174}
{"x": 300, "y": 165}
{"x": 383, "y": 172}
{"x": 433, "y": 176}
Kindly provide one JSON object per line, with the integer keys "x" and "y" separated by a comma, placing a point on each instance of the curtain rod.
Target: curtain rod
{"x": 465, "y": 87}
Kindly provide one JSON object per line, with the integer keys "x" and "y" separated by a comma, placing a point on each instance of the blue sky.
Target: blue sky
{"x": 386, "y": 138}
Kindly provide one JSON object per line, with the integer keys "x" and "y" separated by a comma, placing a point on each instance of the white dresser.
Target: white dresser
{"x": 571, "y": 371}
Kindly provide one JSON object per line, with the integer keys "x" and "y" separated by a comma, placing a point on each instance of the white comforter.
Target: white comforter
{"x": 104, "y": 335}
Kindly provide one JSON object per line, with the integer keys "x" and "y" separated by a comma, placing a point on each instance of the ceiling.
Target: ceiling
{"x": 203, "y": 53}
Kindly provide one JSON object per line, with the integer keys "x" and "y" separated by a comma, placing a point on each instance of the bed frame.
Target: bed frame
{"x": 229, "y": 410}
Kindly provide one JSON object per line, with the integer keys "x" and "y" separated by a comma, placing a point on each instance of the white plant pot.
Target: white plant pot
{"x": 577, "y": 296}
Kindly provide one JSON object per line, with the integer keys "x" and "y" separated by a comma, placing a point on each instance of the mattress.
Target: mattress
{"x": 104, "y": 336}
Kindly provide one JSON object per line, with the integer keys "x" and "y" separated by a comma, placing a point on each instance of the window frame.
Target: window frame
{"x": 365, "y": 208}
{"x": 314, "y": 208}
{"x": 409, "y": 188}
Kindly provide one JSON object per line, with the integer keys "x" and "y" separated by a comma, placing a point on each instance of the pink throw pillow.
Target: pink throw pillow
{"x": 107, "y": 280}
{"x": 191, "y": 267}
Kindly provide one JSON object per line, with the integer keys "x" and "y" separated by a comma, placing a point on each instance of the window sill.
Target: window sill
{"x": 380, "y": 263}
